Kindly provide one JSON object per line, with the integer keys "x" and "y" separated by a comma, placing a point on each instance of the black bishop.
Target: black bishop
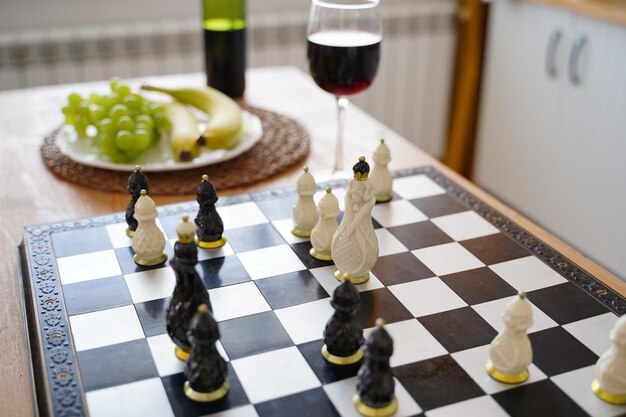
{"x": 189, "y": 292}
{"x": 208, "y": 220}
{"x": 136, "y": 182}
{"x": 343, "y": 335}
{"x": 375, "y": 384}
{"x": 206, "y": 370}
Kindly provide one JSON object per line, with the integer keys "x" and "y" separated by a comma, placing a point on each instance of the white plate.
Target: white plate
{"x": 159, "y": 158}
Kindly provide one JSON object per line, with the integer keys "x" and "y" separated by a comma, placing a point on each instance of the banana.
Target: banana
{"x": 225, "y": 117}
{"x": 183, "y": 131}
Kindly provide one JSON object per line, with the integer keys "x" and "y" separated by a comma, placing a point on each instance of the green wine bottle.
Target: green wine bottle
{"x": 225, "y": 45}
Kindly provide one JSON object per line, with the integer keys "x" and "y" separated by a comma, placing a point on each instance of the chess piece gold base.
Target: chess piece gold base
{"x": 618, "y": 399}
{"x": 300, "y": 233}
{"x": 181, "y": 353}
{"x": 150, "y": 262}
{"x": 342, "y": 360}
{"x": 355, "y": 280}
{"x": 206, "y": 397}
{"x": 130, "y": 233}
{"x": 507, "y": 379}
{"x": 383, "y": 198}
{"x": 320, "y": 256}
{"x": 211, "y": 245}
{"x": 367, "y": 411}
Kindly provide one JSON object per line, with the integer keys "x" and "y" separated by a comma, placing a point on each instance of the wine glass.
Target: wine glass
{"x": 343, "y": 50}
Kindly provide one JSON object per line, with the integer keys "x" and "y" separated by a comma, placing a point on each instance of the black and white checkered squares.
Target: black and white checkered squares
{"x": 442, "y": 280}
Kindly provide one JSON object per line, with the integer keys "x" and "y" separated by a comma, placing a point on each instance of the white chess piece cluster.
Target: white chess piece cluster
{"x": 323, "y": 232}
{"x": 510, "y": 353}
{"x": 380, "y": 177}
{"x": 610, "y": 382}
{"x": 148, "y": 241}
{"x": 304, "y": 212}
{"x": 355, "y": 245}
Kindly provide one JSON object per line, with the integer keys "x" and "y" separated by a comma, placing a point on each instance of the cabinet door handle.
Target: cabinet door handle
{"x": 553, "y": 44}
{"x": 574, "y": 59}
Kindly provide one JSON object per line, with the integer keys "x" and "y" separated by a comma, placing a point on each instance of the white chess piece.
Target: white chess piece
{"x": 510, "y": 352}
{"x": 322, "y": 233}
{"x": 380, "y": 178}
{"x": 610, "y": 382}
{"x": 304, "y": 212}
{"x": 148, "y": 241}
{"x": 355, "y": 245}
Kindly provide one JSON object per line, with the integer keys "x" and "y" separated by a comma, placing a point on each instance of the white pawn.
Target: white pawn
{"x": 610, "y": 382}
{"x": 510, "y": 352}
{"x": 322, "y": 233}
{"x": 380, "y": 178}
{"x": 304, "y": 212}
{"x": 148, "y": 241}
{"x": 355, "y": 245}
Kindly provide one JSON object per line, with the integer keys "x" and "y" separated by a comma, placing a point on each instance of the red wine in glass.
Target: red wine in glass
{"x": 343, "y": 62}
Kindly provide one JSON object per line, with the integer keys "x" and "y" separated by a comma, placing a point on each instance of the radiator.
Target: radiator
{"x": 410, "y": 94}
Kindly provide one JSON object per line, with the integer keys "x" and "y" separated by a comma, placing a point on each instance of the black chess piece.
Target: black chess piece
{"x": 343, "y": 335}
{"x": 205, "y": 370}
{"x": 189, "y": 292}
{"x": 136, "y": 182}
{"x": 361, "y": 169}
{"x": 375, "y": 384}
{"x": 208, "y": 220}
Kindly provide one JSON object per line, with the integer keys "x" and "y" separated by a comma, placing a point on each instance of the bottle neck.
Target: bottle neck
{"x": 224, "y": 15}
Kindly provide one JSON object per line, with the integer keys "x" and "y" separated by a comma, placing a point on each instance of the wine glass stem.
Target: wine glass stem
{"x": 342, "y": 105}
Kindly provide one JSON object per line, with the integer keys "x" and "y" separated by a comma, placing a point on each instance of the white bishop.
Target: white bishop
{"x": 304, "y": 212}
{"x": 148, "y": 241}
{"x": 380, "y": 178}
{"x": 322, "y": 233}
{"x": 610, "y": 382}
{"x": 510, "y": 352}
{"x": 355, "y": 245}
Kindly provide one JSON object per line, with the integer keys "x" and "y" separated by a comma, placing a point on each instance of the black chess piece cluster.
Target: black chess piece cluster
{"x": 210, "y": 227}
{"x": 193, "y": 329}
{"x": 343, "y": 338}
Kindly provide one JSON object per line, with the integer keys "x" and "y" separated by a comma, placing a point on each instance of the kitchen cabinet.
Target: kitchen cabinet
{"x": 552, "y": 131}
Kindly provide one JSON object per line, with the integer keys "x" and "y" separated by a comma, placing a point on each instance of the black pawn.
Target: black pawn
{"x": 189, "y": 292}
{"x": 375, "y": 384}
{"x": 208, "y": 220}
{"x": 343, "y": 335}
{"x": 136, "y": 182}
{"x": 205, "y": 370}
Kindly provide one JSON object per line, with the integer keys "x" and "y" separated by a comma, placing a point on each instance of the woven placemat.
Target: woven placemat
{"x": 284, "y": 143}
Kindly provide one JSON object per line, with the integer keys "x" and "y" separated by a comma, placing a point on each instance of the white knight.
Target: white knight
{"x": 610, "y": 382}
{"x": 355, "y": 245}
{"x": 510, "y": 353}
{"x": 148, "y": 241}
{"x": 322, "y": 233}
{"x": 304, "y": 213}
{"x": 380, "y": 178}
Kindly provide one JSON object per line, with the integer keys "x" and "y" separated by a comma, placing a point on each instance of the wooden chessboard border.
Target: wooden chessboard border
{"x": 58, "y": 389}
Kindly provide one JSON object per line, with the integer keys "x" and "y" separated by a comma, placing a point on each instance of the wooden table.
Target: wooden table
{"x": 32, "y": 195}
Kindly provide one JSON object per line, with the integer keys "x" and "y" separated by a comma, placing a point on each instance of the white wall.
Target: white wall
{"x": 18, "y": 15}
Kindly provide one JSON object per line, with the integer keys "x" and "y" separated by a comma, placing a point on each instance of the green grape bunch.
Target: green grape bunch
{"x": 120, "y": 124}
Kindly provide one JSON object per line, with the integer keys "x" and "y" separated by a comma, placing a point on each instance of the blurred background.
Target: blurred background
{"x": 68, "y": 41}
{"x": 525, "y": 97}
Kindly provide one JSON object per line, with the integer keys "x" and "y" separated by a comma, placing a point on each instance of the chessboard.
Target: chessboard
{"x": 447, "y": 267}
